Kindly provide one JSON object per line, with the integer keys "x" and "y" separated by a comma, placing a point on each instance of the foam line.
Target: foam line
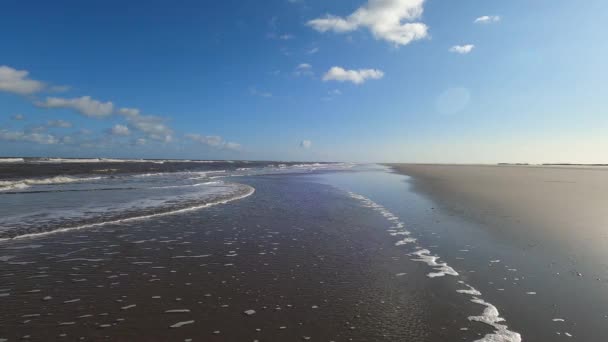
{"x": 490, "y": 315}
{"x": 249, "y": 192}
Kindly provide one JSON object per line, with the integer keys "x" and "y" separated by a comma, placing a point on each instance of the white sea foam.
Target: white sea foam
{"x": 181, "y": 324}
{"x": 178, "y": 311}
{"x": 442, "y": 268}
{"x": 470, "y": 290}
{"x": 490, "y": 315}
{"x": 25, "y": 183}
{"x": 250, "y": 191}
{"x": 12, "y": 160}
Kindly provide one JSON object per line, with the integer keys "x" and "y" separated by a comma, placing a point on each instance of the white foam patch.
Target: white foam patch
{"x": 470, "y": 290}
{"x": 191, "y": 256}
{"x": 405, "y": 241}
{"x": 441, "y": 268}
{"x": 181, "y": 324}
{"x": 491, "y": 317}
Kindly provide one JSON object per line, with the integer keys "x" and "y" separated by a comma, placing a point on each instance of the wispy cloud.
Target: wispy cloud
{"x": 18, "y": 117}
{"x": 355, "y": 76}
{"x": 389, "y": 20}
{"x": 213, "y": 141}
{"x": 33, "y": 137}
{"x": 59, "y": 124}
{"x": 313, "y": 51}
{"x": 303, "y": 69}
{"x": 254, "y": 91}
{"x": 18, "y": 81}
{"x": 462, "y": 49}
{"x": 84, "y": 105}
{"x": 487, "y": 19}
{"x": 307, "y": 144}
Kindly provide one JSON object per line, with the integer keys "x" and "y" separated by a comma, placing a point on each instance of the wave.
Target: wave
{"x": 104, "y": 160}
{"x": 12, "y": 160}
{"x": 26, "y": 183}
{"x": 241, "y": 191}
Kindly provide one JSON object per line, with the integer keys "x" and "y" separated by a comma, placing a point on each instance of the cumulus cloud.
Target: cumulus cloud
{"x": 18, "y": 117}
{"x": 487, "y": 19}
{"x": 154, "y": 127}
{"x": 59, "y": 123}
{"x": 214, "y": 141}
{"x": 462, "y": 49}
{"x": 18, "y": 82}
{"x": 389, "y": 20}
{"x": 129, "y": 112}
{"x": 120, "y": 130}
{"x": 306, "y": 144}
{"x": 84, "y": 105}
{"x": 355, "y": 76}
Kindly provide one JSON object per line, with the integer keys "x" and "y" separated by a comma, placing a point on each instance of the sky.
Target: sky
{"x": 469, "y": 81}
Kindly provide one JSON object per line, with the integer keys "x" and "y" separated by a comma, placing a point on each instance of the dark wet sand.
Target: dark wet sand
{"x": 307, "y": 258}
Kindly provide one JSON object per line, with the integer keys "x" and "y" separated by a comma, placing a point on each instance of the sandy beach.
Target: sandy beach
{"x": 566, "y": 205}
{"x": 549, "y": 221}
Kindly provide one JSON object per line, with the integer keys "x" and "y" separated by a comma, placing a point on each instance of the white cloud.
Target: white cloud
{"x": 304, "y": 66}
{"x": 84, "y": 105}
{"x": 129, "y": 112}
{"x": 34, "y": 137}
{"x": 306, "y": 144}
{"x": 153, "y": 127}
{"x": 120, "y": 130}
{"x": 18, "y": 117}
{"x": 214, "y": 141}
{"x": 462, "y": 49}
{"x": 254, "y": 91}
{"x": 59, "y": 123}
{"x": 17, "y": 81}
{"x": 390, "y": 20}
{"x": 354, "y": 76}
{"x": 303, "y": 69}
{"x": 487, "y": 19}
{"x": 313, "y": 51}
{"x": 286, "y": 36}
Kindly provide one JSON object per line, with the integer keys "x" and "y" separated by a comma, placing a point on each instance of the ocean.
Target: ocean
{"x": 269, "y": 251}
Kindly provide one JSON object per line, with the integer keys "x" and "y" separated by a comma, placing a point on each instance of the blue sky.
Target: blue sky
{"x": 360, "y": 80}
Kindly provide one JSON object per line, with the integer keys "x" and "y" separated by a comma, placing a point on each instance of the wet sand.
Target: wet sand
{"x": 309, "y": 260}
{"x": 532, "y": 205}
{"x": 542, "y": 233}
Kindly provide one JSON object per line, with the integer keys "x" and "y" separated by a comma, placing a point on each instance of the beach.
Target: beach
{"x": 552, "y": 218}
{"x": 272, "y": 252}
